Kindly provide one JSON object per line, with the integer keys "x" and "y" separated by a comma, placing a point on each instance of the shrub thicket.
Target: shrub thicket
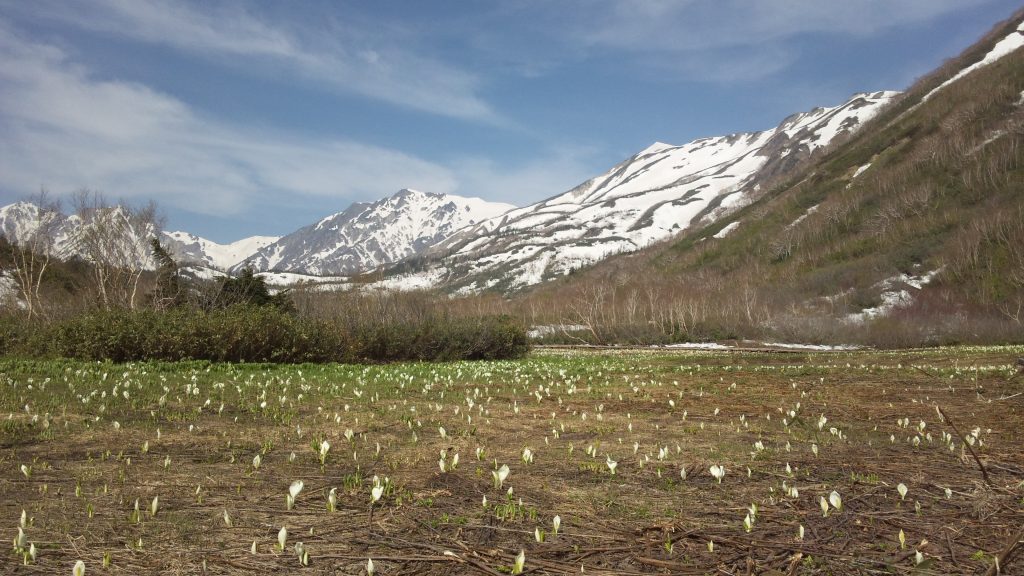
{"x": 263, "y": 334}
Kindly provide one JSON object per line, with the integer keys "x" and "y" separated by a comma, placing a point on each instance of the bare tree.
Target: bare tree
{"x": 35, "y": 248}
{"x": 115, "y": 241}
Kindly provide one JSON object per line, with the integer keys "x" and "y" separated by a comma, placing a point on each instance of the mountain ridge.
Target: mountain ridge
{"x": 367, "y": 235}
{"x": 647, "y": 198}
{"x": 907, "y": 233}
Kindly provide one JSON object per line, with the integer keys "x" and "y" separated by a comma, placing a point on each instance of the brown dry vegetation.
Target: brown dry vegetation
{"x": 642, "y": 520}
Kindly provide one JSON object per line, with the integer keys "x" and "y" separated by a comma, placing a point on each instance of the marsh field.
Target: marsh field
{"x": 654, "y": 462}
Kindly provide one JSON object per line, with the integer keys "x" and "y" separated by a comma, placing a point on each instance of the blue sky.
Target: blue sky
{"x": 244, "y": 118}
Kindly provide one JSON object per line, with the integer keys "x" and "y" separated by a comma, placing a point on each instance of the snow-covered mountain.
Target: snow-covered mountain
{"x": 118, "y": 234}
{"x": 368, "y": 235}
{"x": 20, "y": 222}
{"x": 657, "y": 193}
{"x": 191, "y": 249}
{"x": 651, "y": 196}
{"x": 361, "y": 238}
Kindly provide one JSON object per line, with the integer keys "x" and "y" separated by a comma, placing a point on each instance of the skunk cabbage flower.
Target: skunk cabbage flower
{"x": 293, "y": 491}
{"x": 375, "y": 493}
{"x": 718, "y": 472}
{"x": 556, "y": 523}
{"x": 835, "y": 500}
{"x": 500, "y": 475}
{"x": 611, "y": 464}
{"x": 902, "y": 489}
{"x": 520, "y": 562}
{"x": 79, "y": 569}
{"x": 369, "y": 567}
{"x": 282, "y": 537}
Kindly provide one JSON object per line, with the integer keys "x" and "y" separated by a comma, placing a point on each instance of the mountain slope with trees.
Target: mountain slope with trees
{"x": 909, "y": 231}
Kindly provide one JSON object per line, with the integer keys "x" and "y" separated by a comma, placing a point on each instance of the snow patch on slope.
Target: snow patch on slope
{"x": 1005, "y": 46}
{"x": 10, "y": 291}
{"x": 727, "y": 230}
{"x": 801, "y": 217}
{"x": 896, "y": 294}
{"x": 408, "y": 282}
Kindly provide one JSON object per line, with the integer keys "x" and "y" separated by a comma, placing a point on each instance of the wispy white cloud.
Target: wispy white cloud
{"x": 684, "y": 25}
{"x": 65, "y": 129}
{"x": 330, "y": 54}
{"x": 716, "y": 41}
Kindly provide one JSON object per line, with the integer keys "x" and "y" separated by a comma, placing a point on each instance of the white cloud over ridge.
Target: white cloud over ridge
{"x": 64, "y": 129}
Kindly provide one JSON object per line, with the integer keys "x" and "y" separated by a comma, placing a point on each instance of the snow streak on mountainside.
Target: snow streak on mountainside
{"x": 1011, "y": 42}
{"x": 191, "y": 249}
{"x": 368, "y": 235}
{"x": 649, "y": 197}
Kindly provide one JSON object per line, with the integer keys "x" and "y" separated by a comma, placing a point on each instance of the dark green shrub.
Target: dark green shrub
{"x": 266, "y": 334}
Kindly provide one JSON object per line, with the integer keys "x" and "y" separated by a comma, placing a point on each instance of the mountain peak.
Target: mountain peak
{"x": 413, "y": 192}
{"x": 371, "y": 234}
{"x": 655, "y": 148}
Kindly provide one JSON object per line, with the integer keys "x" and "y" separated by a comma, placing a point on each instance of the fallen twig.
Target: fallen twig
{"x": 984, "y": 473}
{"x": 1000, "y": 563}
